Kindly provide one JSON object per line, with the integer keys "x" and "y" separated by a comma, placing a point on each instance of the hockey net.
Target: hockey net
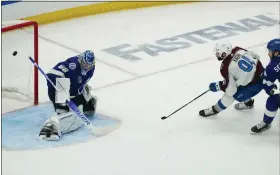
{"x": 19, "y": 77}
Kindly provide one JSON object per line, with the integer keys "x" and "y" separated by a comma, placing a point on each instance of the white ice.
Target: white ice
{"x": 185, "y": 144}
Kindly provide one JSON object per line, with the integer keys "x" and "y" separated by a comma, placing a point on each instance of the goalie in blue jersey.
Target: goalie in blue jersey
{"x": 271, "y": 74}
{"x": 70, "y": 77}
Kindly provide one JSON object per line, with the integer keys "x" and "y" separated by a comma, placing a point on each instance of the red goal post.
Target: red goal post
{"x": 19, "y": 76}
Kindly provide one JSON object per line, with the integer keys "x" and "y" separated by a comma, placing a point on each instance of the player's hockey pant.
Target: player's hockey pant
{"x": 78, "y": 100}
{"x": 272, "y": 105}
{"x": 247, "y": 92}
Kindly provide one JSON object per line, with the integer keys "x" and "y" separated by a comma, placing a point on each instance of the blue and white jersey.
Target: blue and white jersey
{"x": 71, "y": 69}
{"x": 271, "y": 73}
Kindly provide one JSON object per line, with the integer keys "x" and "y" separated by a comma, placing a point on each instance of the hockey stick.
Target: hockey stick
{"x": 165, "y": 117}
{"x": 71, "y": 104}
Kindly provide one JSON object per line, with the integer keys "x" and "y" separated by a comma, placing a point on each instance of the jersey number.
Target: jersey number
{"x": 63, "y": 68}
{"x": 246, "y": 64}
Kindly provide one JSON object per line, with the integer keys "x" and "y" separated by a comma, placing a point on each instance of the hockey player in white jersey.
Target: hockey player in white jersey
{"x": 241, "y": 70}
{"x": 70, "y": 77}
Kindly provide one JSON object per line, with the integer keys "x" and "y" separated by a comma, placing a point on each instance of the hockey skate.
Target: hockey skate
{"x": 50, "y": 131}
{"x": 244, "y": 105}
{"x": 208, "y": 112}
{"x": 261, "y": 127}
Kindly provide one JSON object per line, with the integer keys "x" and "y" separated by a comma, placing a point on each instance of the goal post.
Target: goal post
{"x": 19, "y": 76}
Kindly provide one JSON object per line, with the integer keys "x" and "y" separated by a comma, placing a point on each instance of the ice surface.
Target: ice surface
{"x": 144, "y": 144}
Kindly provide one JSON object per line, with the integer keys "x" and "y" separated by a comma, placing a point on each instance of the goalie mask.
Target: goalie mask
{"x": 87, "y": 61}
{"x": 222, "y": 50}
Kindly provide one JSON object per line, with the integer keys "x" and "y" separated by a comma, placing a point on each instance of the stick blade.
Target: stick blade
{"x": 163, "y": 118}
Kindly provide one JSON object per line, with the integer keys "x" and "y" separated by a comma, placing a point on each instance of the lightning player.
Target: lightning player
{"x": 241, "y": 70}
{"x": 70, "y": 77}
{"x": 271, "y": 74}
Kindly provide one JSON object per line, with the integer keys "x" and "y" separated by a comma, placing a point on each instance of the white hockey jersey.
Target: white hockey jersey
{"x": 241, "y": 70}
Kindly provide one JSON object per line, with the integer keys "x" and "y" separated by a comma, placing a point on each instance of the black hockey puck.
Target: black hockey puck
{"x": 15, "y": 53}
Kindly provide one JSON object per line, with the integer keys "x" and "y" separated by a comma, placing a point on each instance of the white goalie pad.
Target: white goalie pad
{"x": 66, "y": 122}
{"x": 63, "y": 90}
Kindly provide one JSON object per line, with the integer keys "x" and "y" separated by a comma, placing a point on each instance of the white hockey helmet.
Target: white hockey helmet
{"x": 222, "y": 49}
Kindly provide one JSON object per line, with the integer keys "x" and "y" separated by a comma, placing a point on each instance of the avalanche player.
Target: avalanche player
{"x": 70, "y": 77}
{"x": 271, "y": 74}
{"x": 241, "y": 70}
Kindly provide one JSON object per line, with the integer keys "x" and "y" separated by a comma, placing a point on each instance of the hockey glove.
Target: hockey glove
{"x": 215, "y": 86}
{"x": 86, "y": 93}
{"x": 270, "y": 90}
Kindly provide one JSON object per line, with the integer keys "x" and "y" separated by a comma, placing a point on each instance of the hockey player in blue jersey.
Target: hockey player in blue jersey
{"x": 271, "y": 74}
{"x": 70, "y": 77}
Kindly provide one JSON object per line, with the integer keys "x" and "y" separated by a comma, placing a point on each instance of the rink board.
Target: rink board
{"x": 20, "y": 129}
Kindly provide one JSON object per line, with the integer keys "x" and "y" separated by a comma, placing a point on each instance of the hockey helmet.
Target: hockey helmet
{"x": 273, "y": 46}
{"x": 222, "y": 49}
{"x": 87, "y": 60}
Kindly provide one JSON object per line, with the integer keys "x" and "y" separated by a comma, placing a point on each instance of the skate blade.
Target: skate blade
{"x": 243, "y": 109}
{"x": 258, "y": 133}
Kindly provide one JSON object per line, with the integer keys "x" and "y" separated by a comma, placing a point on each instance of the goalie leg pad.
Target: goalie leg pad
{"x": 57, "y": 125}
{"x": 69, "y": 121}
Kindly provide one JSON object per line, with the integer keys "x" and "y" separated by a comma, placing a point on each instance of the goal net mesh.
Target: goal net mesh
{"x": 19, "y": 78}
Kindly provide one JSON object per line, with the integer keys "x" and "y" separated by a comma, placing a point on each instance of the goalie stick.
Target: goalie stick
{"x": 71, "y": 104}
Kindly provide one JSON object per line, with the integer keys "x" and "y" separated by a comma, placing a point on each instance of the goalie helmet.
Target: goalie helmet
{"x": 222, "y": 50}
{"x": 272, "y": 47}
{"x": 87, "y": 61}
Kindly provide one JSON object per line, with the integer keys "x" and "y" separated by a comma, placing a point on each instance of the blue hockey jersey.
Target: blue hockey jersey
{"x": 271, "y": 73}
{"x": 71, "y": 69}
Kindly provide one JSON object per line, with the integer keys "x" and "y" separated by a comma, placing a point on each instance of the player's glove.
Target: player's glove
{"x": 215, "y": 86}
{"x": 270, "y": 90}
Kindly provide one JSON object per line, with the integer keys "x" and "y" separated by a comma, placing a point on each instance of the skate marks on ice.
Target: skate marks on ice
{"x": 20, "y": 129}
